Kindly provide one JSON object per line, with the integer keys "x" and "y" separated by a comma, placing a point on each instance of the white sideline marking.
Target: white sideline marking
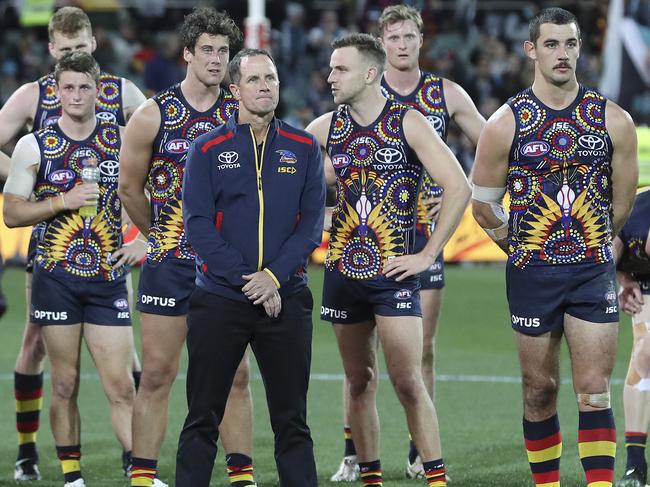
{"x": 498, "y": 379}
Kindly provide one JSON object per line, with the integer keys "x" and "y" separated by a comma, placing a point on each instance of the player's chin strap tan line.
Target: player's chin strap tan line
{"x": 599, "y": 400}
{"x": 494, "y": 198}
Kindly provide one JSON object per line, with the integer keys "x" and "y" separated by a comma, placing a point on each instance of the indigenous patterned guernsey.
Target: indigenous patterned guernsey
{"x": 634, "y": 235}
{"x": 429, "y": 99}
{"x": 180, "y": 125}
{"x": 71, "y": 246}
{"x": 378, "y": 176}
{"x": 108, "y": 106}
{"x": 559, "y": 182}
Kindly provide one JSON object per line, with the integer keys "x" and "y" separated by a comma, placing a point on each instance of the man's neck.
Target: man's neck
{"x": 199, "y": 95}
{"x": 368, "y": 106}
{"x": 403, "y": 82}
{"x": 78, "y": 128}
{"x": 259, "y": 123}
{"x": 554, "y": 96}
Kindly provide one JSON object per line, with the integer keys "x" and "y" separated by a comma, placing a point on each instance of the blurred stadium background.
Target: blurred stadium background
{"x": 474, "y": 42}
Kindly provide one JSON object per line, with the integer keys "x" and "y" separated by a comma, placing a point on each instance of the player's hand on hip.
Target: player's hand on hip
{"x": 404, "y": 266}
{"x": 630, "y": 298}
{"x": 81, "y": 195}
{"x": 433, "y": 205}
{"x": 130, "y": 254}
{"x": 273, "y": 305}
{"x": 260, "y": 287}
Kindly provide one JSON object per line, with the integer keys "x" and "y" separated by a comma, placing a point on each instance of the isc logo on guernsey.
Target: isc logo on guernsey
{"x": 527, "y": 322}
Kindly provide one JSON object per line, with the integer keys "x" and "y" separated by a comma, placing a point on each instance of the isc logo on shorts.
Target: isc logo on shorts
{"x": 333, "y": 313}
{"x": 51, "y": 315}
{"x": 527, "y": 322}
{"x": 157, "y": 300}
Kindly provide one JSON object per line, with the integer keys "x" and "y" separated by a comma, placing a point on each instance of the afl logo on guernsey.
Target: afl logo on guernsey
{"x": 177, "y": 146}
{"x": 51, "y": 121}
{"x": 62, "y": 176}
{"x": 535, "y": 148}
{"x": 341, "y": 160}
{"x": 108, "y": 116}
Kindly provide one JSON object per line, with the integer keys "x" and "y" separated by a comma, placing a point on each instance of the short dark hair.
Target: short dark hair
{"x": 79, "y": 62}
{"x": 234, "y": 67}
{"x": 368, "y": 45}
{"x": 205, "y": 20}
{"x": 69, "y": 21}
{"x": 553, "y": 15}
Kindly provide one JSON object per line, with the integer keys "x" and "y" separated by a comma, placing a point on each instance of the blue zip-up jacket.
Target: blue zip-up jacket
{"x": 248, "y": 209}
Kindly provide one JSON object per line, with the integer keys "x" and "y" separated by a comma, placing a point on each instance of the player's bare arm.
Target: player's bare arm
{"x": 19, "y": 210}
{"x": 132, "y": 98}
{"x": 319, "y": 128}
{"x": 625, "y": 165}
{"x": 135, "y": 156}
{"x": 18, "y": 112}
{"x": 463, "y": 111}
{"x": 443, "y": 167}
{"x": 490, "y": 173}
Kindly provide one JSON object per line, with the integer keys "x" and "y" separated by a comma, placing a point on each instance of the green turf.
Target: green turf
{"x": 480, "y": 421}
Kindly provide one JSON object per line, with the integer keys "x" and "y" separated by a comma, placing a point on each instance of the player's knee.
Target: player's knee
{"x": 428, "y": 357}
{"x": 408, "y": 387}
{"x": 641, "y": 356}
{"x": 540, "y": 394}
{"x": 241, "y": 379}
{"x": 120, "y": 390}
{"x": 362, "y": 382}
{"x": 64, "y": 388}
{"x": 34, "y": 346}
{"x": 158, "y": 379}
{"x": 594, "y": 400}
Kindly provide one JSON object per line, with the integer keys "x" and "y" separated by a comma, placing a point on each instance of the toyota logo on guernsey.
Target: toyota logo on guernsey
{"x": 177, "y": 146}
{"x": 438, "y": 123}
{"x": 591, "y": 145}
{"x": 388, "y": 158}
{"x": 107, "y": 116}
{"x": 535, "y": 148}
{"x": 228, "y": 160}
{"x": 62, "y": 176}
{"x": 109, "y": 170}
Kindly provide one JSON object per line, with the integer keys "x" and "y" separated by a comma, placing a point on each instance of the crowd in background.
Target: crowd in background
{"x": 475, "y": 43}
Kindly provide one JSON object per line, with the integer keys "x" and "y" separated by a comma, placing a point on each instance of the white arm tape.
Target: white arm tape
{"x": 22, "y": 177}
{"x": 498, "y": 233}
{"x": 488, "y": 195}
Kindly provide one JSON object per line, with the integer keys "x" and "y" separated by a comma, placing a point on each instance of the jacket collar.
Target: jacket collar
{"x": 233, "y": 124}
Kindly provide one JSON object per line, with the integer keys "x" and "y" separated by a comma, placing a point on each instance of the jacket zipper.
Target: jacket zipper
{"x": 259, "y": 163}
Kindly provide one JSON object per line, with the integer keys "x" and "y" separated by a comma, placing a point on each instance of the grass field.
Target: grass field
{"x": 478, "y": 400}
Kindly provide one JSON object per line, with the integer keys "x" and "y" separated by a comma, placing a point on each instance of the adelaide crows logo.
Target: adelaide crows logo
{"x": 287, "y": 156}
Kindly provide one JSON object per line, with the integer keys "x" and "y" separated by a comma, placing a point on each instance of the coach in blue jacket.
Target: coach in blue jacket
{"x": 253, "y": 200}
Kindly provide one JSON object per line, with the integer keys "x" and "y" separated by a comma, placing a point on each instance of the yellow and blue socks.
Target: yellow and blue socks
{"x": 240, "y": 469}
{"x": 370, "y": 473}
{"x": 635, "y": 443}
{"x": 544, "y": 447}
{"x": 597, "y": 446}
{"x": 70, "y": 458}
{"x": 28, "y": 391}
{"x": 434, "y": 471}
{"x": 143, "y": 471}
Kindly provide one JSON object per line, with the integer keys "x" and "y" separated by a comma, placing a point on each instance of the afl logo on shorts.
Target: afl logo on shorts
{"x": 121, "y": 304}
{"x": 62, "y": 176}
{"x": 610, "y": 297}
{"x": 177, "y": 146}
{"x": 341, "y": 160}
{"x": 535, "y": 148}
{"x": 403, "y": 294}
{"x": 107, "y": 116}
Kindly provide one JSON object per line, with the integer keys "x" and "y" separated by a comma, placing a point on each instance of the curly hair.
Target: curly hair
{"x": 205, "y": 20}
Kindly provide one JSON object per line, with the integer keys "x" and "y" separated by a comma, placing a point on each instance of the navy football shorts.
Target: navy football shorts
{"x": 347, "y": 301}
{"x": 60, "y": 301}
{"x": 165, "y": 287}
{"x": 434, "y": 276}
{"x": 540, "y": 296}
